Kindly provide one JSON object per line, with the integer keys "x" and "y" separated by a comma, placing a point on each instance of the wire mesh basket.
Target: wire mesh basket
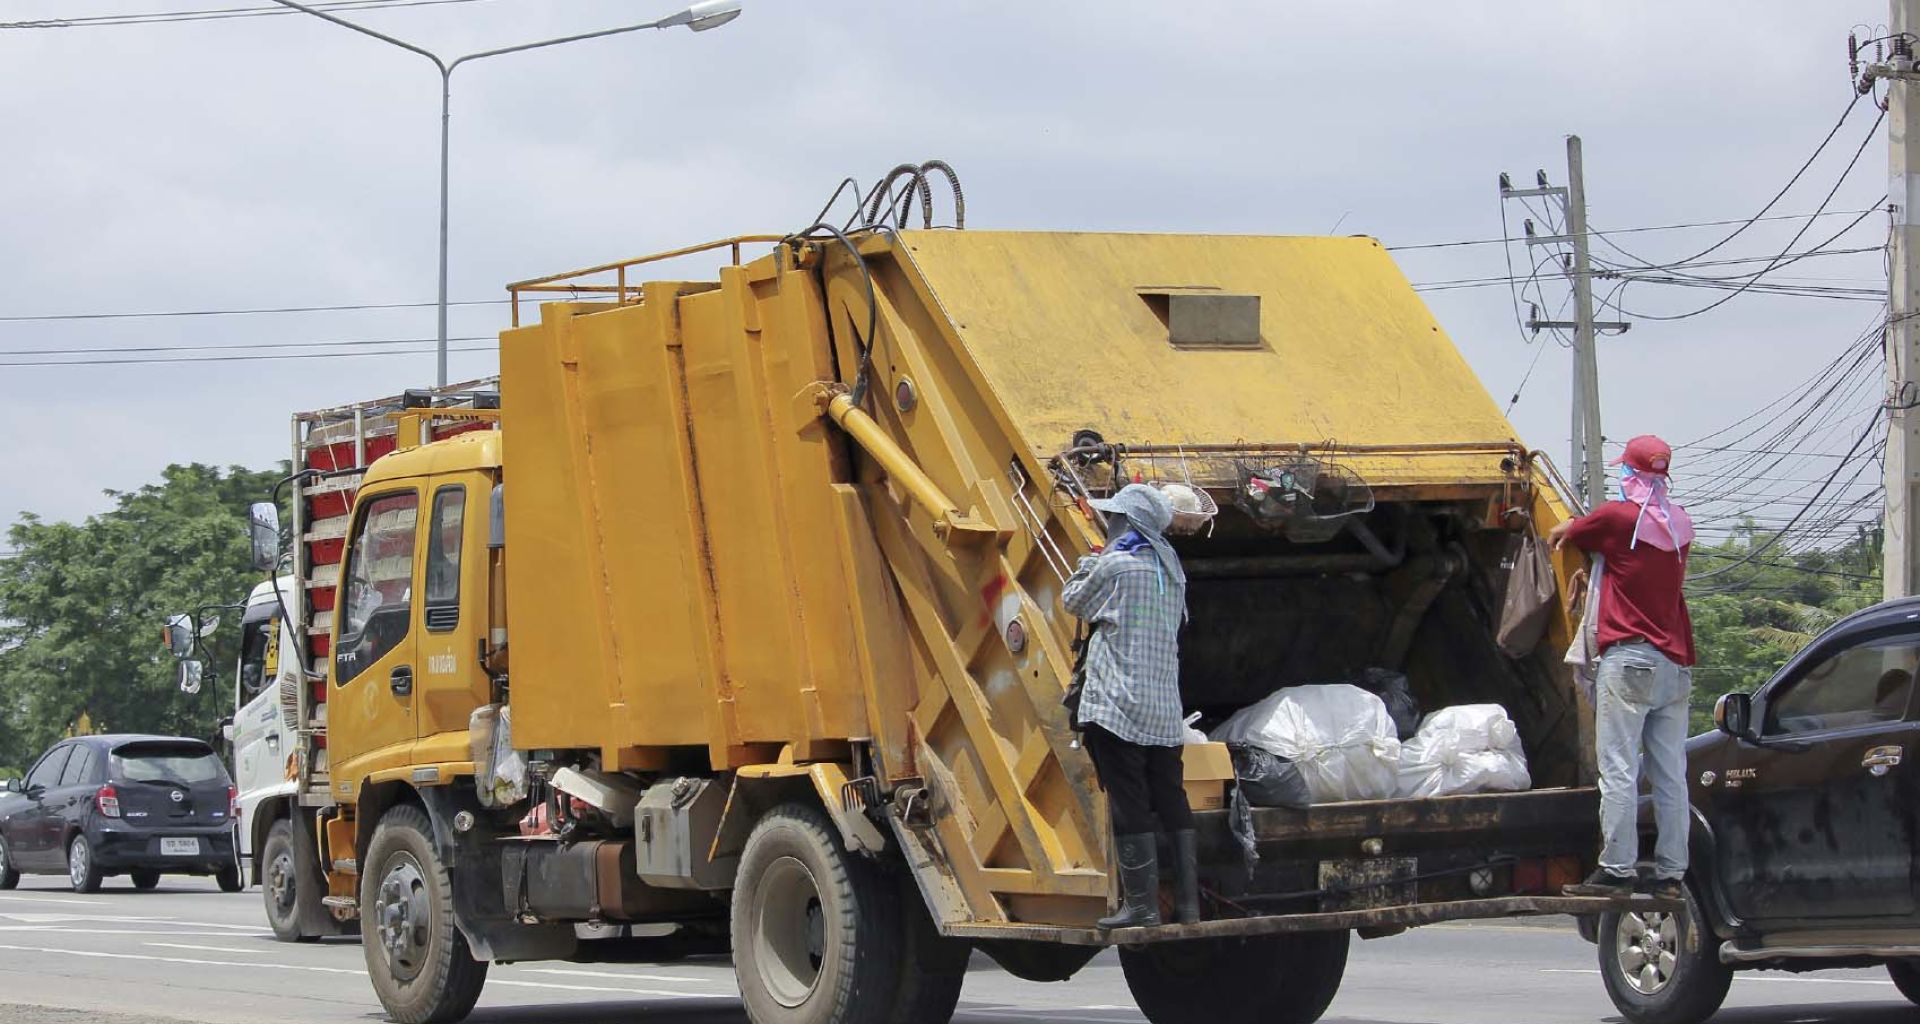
{"x": 1308, "y": 498}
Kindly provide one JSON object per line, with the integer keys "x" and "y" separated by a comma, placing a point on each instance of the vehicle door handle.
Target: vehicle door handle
{"x": 273, "y": 740}
{"x": 1881, "y": 760}
{"x": 401, "y": 681}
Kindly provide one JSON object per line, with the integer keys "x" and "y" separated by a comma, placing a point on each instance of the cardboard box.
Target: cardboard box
{"x": 1206, "y": 768}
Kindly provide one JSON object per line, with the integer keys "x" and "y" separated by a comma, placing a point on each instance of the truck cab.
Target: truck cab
{"x": 414, "y": 630}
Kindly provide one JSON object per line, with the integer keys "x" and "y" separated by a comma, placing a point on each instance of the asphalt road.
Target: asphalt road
{"x": 190, "y": 953}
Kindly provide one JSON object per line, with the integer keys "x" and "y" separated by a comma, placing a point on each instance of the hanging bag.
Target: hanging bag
{"x": 1530, "y": 597}
{"x": 1078, "y": 683}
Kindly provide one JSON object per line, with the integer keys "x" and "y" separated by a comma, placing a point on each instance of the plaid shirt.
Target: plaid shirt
{"x": 1133, "y": 659}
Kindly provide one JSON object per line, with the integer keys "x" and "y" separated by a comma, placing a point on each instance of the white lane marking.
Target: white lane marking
{"x": 102, "y": 955}
{"x": 1037, "y": 1015}
{"x": 567, "y": 972}
{"x": 205, "y": 949}
{"x": 99, "y": 955}
{"x": 47, "y": 929}
{"x": 1750, "y": 977}
{"x": 43, "y": 899}
{"x": 604, "y": 988}
{"x": 119, "y": 919}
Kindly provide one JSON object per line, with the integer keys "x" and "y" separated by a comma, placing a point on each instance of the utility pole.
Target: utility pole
{"x": 1900, "y": 555}
{"x": 1587, "y": 463}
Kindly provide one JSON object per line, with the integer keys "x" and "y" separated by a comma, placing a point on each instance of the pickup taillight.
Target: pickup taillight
{"x": 108, "y": 801}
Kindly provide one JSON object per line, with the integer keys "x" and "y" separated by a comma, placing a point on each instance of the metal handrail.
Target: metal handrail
{"x": 620, "y": 288}
{"x": 1560, "y": 485}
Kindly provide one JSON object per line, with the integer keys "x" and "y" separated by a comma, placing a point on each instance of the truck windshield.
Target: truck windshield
{"x": 187, "y": 763}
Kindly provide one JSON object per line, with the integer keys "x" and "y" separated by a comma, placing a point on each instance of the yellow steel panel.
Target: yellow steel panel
{"x": 1055, "y": 325}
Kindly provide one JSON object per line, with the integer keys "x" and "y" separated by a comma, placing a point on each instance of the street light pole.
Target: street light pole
{"x": 700, "y": 17}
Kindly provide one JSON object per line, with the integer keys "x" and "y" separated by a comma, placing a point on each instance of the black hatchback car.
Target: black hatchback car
{"x": 143, "y": 806}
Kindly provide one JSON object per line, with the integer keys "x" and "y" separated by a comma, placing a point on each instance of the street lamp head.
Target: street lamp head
{"x": 705, "y": 15}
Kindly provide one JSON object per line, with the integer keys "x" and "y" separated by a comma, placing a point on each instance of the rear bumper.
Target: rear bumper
{"x": 140, "y": 849}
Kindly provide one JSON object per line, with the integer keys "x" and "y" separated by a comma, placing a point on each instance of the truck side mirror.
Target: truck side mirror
{"x": 1733, "y": 715}
{"x": 178, "y": 635}
{"x": 263, "y": 530}
{"x": 191, "y": 671}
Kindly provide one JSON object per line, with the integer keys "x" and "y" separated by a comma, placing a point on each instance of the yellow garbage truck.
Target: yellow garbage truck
{"x": 734, "y": 624}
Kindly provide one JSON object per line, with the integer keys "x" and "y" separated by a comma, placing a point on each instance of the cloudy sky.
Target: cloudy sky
{"x": 271, "y": 162}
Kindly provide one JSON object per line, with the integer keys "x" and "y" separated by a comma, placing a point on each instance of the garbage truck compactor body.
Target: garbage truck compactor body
{"x": 737, "y": 626}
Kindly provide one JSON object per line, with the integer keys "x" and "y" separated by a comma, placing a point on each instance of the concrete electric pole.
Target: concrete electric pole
{"x": 1901, "y": 555}
{"x": 1587, "y": 464}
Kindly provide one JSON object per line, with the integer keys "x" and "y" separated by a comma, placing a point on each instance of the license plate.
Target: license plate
{"x": 1368, "y": 884}
{"x": 180, "y": 847}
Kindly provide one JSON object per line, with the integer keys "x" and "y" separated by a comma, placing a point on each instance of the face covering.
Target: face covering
{"x": 1660, "y": 523}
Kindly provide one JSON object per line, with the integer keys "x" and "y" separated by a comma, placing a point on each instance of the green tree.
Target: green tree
{"x": 1767, "y": 604}
{"x": 81, "y": 608}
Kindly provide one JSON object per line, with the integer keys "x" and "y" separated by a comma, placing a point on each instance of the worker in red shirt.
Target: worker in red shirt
{"x": 1641, "y": 691}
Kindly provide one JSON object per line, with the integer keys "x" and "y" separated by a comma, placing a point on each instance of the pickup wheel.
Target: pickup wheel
{"x": 280, "y": 885}
{"x": 816, "y": 930}
{"x": 8, "y": 876}
{"x": 83, "y": 873}
{"x": 1662, "y": 968}
{"x": 420, "y": 964}
{"x": 1906, "y": 978}
{"x": 1268, "y": 979}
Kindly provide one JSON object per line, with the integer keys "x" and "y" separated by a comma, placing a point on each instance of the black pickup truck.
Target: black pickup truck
{"x": 1804, "y": 850}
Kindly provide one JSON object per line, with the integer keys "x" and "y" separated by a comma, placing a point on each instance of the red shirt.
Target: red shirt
{"x": 1640, "y": 596}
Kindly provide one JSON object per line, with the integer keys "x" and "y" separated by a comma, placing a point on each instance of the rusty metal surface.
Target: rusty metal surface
{"x": 1384, "y": 917}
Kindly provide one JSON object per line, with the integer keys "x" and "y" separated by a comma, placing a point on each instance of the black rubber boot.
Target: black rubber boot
{"x": 1186, "y": 879}
{"x": 1139, "y": 883}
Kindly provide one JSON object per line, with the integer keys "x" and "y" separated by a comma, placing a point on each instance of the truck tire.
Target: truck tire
{"x": 1906, "y": 978}
{"x": 9, "y": 877}
{"x": 281, "y": 887}
{"x": 420, "y": 964}
{"x": 1266, "y": 979}
{"x": 1662, "y": 968}
{"x": 816, "y": 930}
{"x": 83, "y": 872}
{"x": 932, "y": 967}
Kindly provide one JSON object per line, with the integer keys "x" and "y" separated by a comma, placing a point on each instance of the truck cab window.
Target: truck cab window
{"x": 378, "y": 602}
{"x": 443, "y": 558}
{"x": 256, "y": 637}
{"x": 1858, "y": 686}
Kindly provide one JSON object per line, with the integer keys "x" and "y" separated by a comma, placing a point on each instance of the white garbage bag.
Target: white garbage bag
{"x": 1340, "y": 737}
{"x": 1470, "y": 748}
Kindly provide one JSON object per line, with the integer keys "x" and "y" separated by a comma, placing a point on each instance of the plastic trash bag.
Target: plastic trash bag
{"x": 500, "y": 772}
{"x": 1471, "y": 748}
{"x": 1339, "y": 737}
{"x": 1269, "y": 780}
{"x": 1392, "y": 689}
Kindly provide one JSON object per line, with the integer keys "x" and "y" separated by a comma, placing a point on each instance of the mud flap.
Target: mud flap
{"x": 474, "y": 865}
{"x": 312, "y": 916}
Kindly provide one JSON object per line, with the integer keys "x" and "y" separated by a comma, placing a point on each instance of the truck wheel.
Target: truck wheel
{"x": 1662, "y": 968}
{"x": 82, "y": 873}
{"x": 1267, "y": 979}
{"x": 280, "y": 886}
{"x": 1906, "y": 978}
{"x": 932, "y": 967}
{"x": 8, "y": 876}
{"x": 816, "y": 930}
{"x": 420, "y": 964}
{"x": 146, "y": 881}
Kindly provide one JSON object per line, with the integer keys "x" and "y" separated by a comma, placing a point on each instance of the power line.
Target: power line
{"x": 219, "y": 14}
{"x": 1638, "y": 230}
{"x": 236, "y": 359}
{"x": 132, "y": 349}
{"x": 43, "y": 317}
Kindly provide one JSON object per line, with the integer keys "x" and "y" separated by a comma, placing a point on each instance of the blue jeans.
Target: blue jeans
{"x": 1640, "y": 702}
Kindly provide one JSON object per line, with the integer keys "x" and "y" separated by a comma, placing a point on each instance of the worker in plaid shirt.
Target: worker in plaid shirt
{"x": 1134, "y": 595}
